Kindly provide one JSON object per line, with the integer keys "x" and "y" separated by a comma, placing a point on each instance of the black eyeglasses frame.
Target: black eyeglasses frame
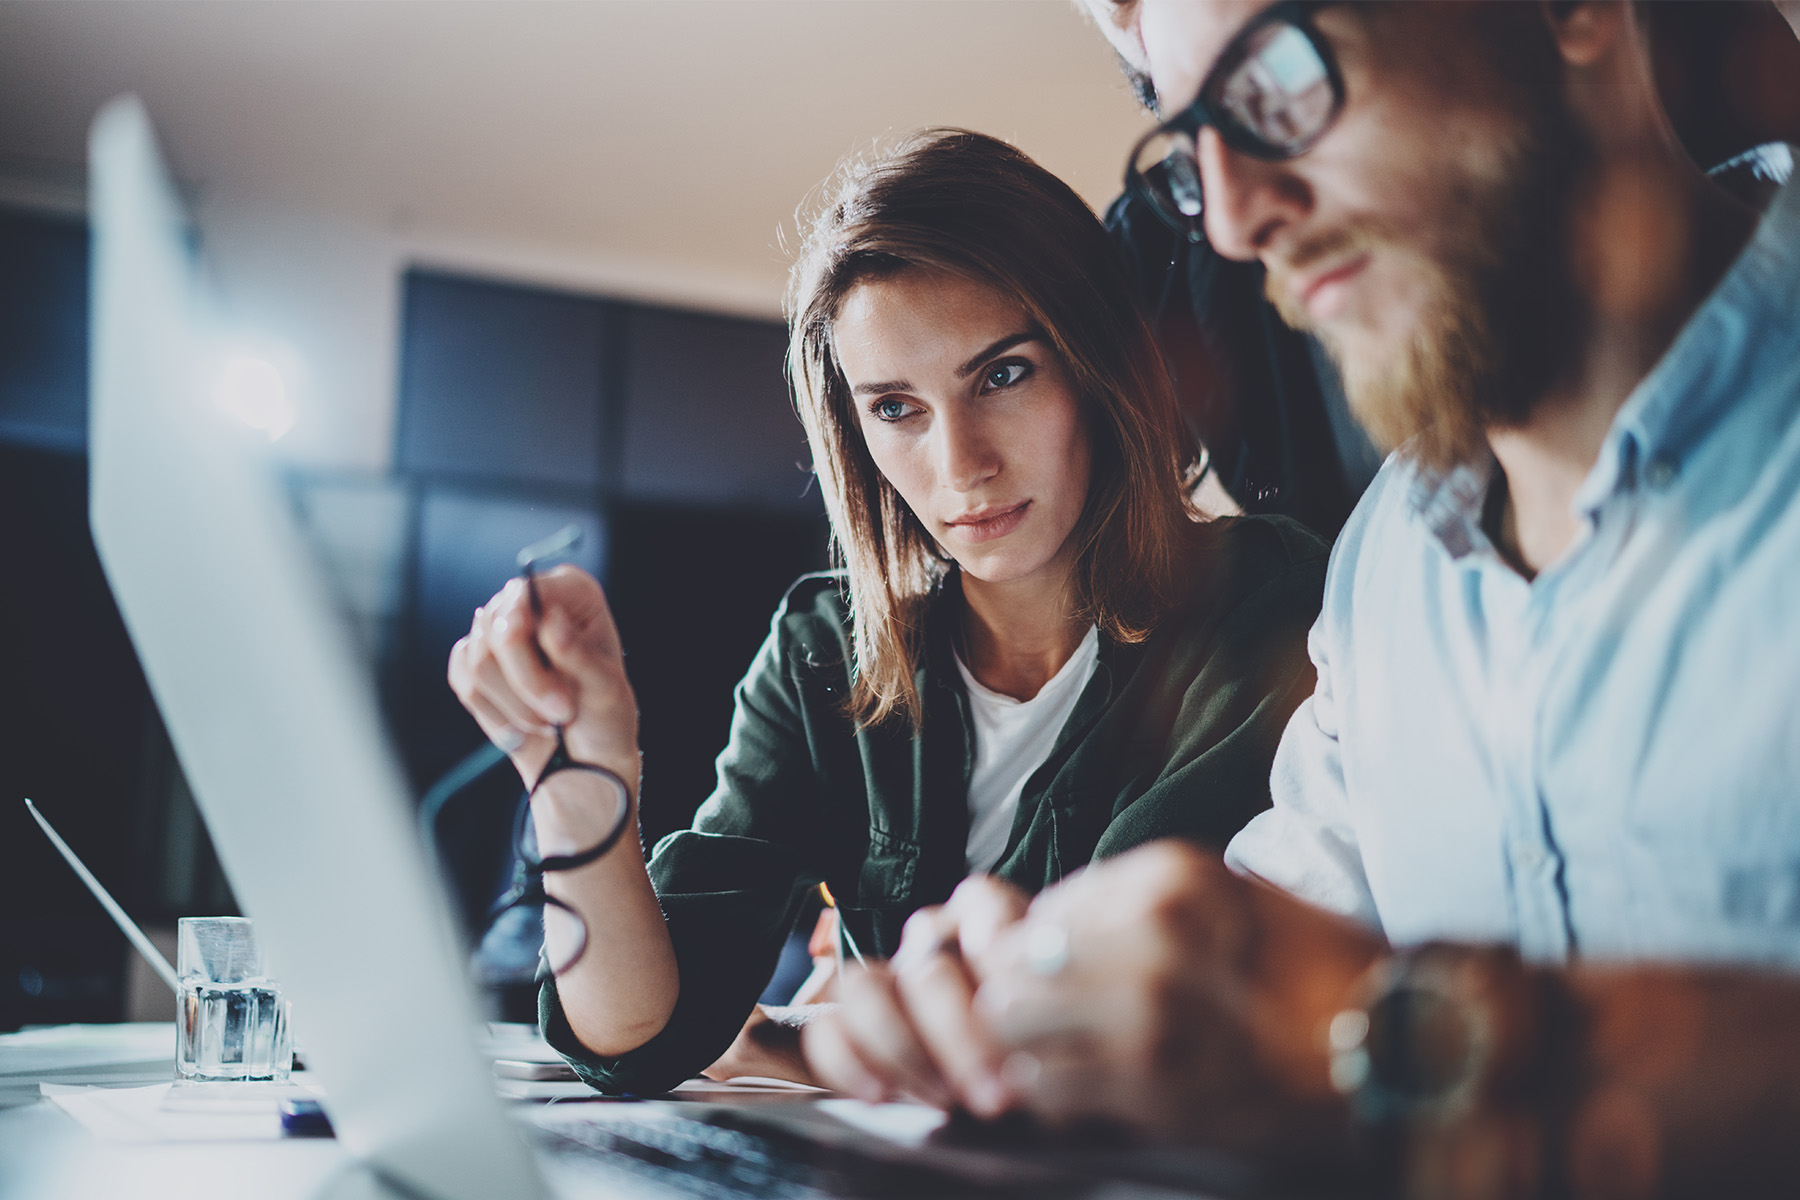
{"x": 527, "y": 890}
{"x": 1203, "y": 111}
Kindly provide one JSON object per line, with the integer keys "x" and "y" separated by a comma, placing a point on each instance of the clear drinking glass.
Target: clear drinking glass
{"x": 231, "y": 1022}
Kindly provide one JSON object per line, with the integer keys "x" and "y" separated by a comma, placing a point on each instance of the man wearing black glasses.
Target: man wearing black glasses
{"x": 1262, "y": 396}
{"x": 1554, "y": 739}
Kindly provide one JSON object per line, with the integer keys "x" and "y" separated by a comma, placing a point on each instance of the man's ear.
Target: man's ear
{"x": 1585, "y": 30}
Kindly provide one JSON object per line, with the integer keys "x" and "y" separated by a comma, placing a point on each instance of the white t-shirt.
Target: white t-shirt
{"x": 1012, "y": 739}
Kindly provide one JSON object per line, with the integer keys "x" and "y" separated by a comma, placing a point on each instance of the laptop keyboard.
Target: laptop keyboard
{"x": 726, "y": 1157}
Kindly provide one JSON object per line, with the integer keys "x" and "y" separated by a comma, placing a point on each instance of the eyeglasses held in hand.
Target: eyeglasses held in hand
{"x": 1272, "y": 94}
{"x": 572, "y": 815}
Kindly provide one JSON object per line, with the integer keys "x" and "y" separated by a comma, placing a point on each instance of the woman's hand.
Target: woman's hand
{"x": 908, "y": 1027}
{"x": 768, "y": 1046}
{"x": 521, "y": 675}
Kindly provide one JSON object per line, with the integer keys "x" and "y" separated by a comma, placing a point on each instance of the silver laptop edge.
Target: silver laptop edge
{"x": 273, "y": 715}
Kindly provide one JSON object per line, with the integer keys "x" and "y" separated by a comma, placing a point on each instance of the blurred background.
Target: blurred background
{"x": 498, "y": 267}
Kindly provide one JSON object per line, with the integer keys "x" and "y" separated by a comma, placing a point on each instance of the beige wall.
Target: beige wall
{"x": 654, "y": 149}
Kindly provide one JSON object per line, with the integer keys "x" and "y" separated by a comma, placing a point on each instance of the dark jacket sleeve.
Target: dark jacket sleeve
{"x": 730, "y": 885}
{"x": 1237, "y": 669}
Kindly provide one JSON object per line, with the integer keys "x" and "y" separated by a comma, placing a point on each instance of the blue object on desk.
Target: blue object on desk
{"x": 304, "y": 1118}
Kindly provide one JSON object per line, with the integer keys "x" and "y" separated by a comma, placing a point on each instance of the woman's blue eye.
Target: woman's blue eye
{"x": 890, "y": 410}
{"x": 1006, "y": 374}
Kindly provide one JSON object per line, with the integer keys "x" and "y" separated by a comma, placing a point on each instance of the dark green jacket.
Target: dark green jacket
{"x": 1173, "y": 737}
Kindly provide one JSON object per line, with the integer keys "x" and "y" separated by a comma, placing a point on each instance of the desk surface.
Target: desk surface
{"x": 87, "y": 1111}
{"x": 106, "y": 1127}
{"x": 46, "y": 1153}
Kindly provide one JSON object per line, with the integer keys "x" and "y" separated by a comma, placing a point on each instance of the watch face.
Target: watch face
{"x": 1416, "y": 1052}
{"x": 1422, "y": 1045}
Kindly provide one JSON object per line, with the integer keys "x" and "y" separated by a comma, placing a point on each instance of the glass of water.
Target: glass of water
{"x": 230, "y": 1020}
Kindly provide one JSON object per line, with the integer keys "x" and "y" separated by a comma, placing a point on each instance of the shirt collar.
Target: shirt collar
{"x": 1741, "y": 331}
{"x": 1449, "y": 504}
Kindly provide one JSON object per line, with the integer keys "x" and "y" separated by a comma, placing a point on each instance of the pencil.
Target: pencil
{"x": 843, "y": 937}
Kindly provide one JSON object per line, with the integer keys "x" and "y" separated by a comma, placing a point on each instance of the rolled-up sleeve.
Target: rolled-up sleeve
{"x": 1306, "y": 843}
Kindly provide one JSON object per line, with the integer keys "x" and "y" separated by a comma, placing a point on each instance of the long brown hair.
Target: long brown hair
{"x": 968, "y": 205}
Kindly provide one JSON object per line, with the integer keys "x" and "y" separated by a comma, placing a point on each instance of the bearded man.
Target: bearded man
{"x": 1523, "y": 918}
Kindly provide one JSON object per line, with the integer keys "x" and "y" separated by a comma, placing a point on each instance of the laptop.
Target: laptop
{"x": 273, "y": 714}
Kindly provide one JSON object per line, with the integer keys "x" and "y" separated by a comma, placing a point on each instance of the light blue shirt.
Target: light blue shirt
{"x": 1602, "y": 761}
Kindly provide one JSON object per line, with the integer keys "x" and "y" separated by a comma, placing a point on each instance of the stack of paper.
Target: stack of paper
{"x": 84, "y": 1054}
{"x": 178, "y": 1112}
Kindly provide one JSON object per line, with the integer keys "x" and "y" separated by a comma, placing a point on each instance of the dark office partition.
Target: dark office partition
{"x": 468, "y": 542}
{"x": 43, "y": 331}
{"x": 72, "y": 713}
{"x": 707, "y": 419}
{"x": 78, "y": 730}
{"x": 72, "y": 700}
{"x": 502, "y": 382}
{"x": 692, "y": 590}
{"x": 719, "y": 515}
{"x": 669, "y": 436}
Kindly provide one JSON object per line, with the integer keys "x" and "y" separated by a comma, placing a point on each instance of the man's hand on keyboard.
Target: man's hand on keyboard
{"x": 1155, "y": 991}
{"x": 1160, "y": 992}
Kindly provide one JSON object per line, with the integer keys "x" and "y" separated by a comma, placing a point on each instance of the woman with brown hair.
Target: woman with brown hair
{"x": 1036, "y": 654}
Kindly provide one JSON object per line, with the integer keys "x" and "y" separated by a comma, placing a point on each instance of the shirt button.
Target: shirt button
{"x": 1659, "y": 472}
{"x": 1529, "y": 857}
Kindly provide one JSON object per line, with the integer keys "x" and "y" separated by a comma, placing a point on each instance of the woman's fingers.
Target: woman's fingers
{"x": 834, "y": 1061}
{"x": 911, "y": 1026}
{"x": 876, "y": 1024}
{"x": 514, "y": 648}
{"x": 492, "y": 686}
{"x": 938, "y": 994}
{"x": 523, "y": 673}
{"x": 492, "y": 682}
{"x": 581, "y": 643}
{"x": 584, "y": 638}
{"x": 500, "y": 731}
{"x": 478, "y": 684}
{"x": 1031, "y": 999}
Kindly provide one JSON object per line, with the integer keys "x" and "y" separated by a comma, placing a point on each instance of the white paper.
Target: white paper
{"x": 176, "y": 1112}
{"x": 66, "y": 1049}
{"x": 905, "y": 1124}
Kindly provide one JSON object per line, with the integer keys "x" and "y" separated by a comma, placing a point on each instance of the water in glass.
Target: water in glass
{"x": 231, "y": 1022}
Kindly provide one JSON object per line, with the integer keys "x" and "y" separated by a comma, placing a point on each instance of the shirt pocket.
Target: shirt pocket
{"x": 889, "y": 867}
{"x": 884, "y": 894}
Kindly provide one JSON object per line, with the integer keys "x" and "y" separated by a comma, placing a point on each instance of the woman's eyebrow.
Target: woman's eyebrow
{"x": 999, "y": 345}
{"x": 974, "y": 364}
{"x": 882, "y": 388}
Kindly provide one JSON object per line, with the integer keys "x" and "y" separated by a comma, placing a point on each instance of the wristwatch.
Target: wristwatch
{"x": 1452, "y": 1057}
{"x": 1416, "y": 1044}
